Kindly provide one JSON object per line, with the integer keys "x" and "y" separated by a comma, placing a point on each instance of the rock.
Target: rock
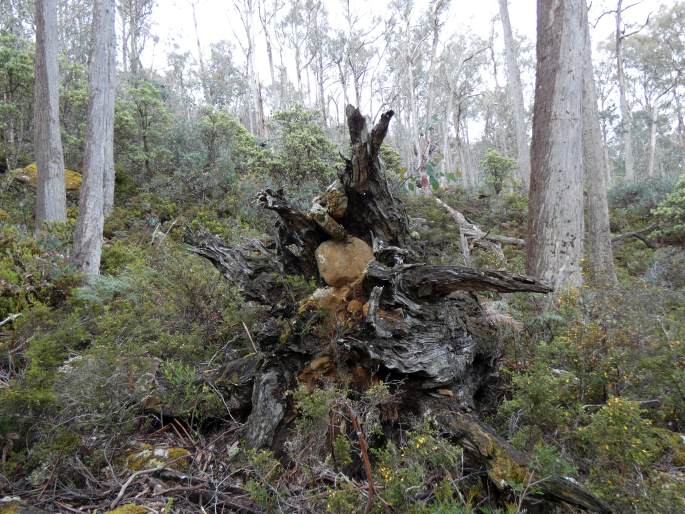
{"x": 343, "y": 262}
{"x": 151, "y": 457}
{"x": 129, "y": 508}
{"x": 29, "y": 175}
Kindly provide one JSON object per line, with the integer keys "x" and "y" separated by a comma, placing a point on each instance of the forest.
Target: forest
{"x": 307, "y": 256}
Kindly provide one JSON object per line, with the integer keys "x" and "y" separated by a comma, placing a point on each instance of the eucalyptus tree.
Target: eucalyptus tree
{"x": 136, "y": 17}
{"x": 598, "y": 233}
{"x": 516, "y": 92}
{"x": 554, "y": 248}
{"x": 652, "y": 77}
{"x": 51, "y": 201}
{"x": 89, "y": 225}
{"x": 247, "y": 9}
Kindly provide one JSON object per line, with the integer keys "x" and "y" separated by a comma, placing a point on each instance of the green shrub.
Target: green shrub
{"x": 670, "y": 213}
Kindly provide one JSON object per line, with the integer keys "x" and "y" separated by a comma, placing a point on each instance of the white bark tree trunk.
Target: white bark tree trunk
{"x": 88, "y": 234}
{"x": 51, "y": 201}
{"x": 653, "y": 117}
{"x": 516, "y": 92}
{"x": 109, "y": 173}
{"x": 555, "y": 222}
{"x": 598, "y": 232}
{"x": 626, "y": 116}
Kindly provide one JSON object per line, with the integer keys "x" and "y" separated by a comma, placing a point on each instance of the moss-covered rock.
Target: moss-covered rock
{"x": 129, "y": 508}
{"x": 12, "y": 505}
{"x": 152, "y": 457}
{"x": 29, "y": 175}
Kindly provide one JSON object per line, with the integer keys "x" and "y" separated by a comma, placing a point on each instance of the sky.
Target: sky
{"x": 172, "y": 20}
{"x": 217, "y": 20}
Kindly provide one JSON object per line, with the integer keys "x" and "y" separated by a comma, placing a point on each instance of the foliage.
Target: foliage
{"x": 632, "y": 202}
{"x": 670, "y": 213}
{"x": 16, "y": 92}
{"x": 497, "y": 170}
{"x": 302, "y": 150}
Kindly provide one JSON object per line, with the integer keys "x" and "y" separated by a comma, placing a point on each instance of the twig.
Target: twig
{"x": 254, "y": 347}
{"x": 9, "y": 318}
{"x": 365, "y": 458}
{"x": 128, "y": 482}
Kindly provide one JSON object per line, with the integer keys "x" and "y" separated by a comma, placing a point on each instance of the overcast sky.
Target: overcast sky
{"x": 172, "y": 20}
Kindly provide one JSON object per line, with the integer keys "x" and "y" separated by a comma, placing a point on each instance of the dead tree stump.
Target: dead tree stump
{"x": 413, "y": 324}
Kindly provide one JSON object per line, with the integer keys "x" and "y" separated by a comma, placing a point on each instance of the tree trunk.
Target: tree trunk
{"x": 88, "y": 235}
{"x": 600, "y": 254}
{"x": 109, "y": 172}
{"x": 200, "y": 58}
{"x": 516, "y": 92}
{"x": 51, "y": 200}
{"x": 626, "y": 115}
{"x": 555, "y": 221}
{"x": 653, "y": 117}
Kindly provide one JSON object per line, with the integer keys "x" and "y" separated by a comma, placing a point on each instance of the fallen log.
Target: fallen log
{"x": 509, "y": 467}
{"x": 637, "y": 234}
{"x": 476, "y": 236}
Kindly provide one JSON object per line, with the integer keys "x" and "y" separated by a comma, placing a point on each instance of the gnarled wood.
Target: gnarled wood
{"x": 508, "y": 467}
{"x": 372, "y": 210}
{"x": 417, "y": 325}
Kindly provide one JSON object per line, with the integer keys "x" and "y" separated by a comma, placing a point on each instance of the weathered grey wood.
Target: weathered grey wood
{"x": 268, "y": 408}
{"x": 297, "y": 235}
{"x": 250, "y": 266}
{"x": 372, "y": 210}
{"x": 51, "y": 199}
{"x": 508, "y": 467}
{"x": 429, "y": 282}
{"x": 420, "y": 327}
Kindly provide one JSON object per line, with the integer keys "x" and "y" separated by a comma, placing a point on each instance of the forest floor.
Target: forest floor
{"x": 115, "y": 396}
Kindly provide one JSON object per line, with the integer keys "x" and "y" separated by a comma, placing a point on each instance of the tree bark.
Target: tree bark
{"x": 598, "y": 233}
{"x": 653, "y": 117}
{"x": 51, "y": 201}
{"x": 555, "y": 221}
{"x": 626, "y": 115}
{"x": 88, "y": 235}
{"x": 516, "y": 92}
{"x": 109, "y": 172}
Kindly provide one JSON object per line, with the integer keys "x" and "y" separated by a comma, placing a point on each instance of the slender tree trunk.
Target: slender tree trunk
{"x": 555, "y": 221}
{"x": 626, "y": 116}
{"x": 598, "y": 233}
{"x": 516, "y": 92}
{"x": 653, "y": 117}
{"x": 201, "y": 59}
{"x": 679, "y": 114}
{"x": 109, "y": 172}
{"x": 88, "y": 235}
{"x": 51, "y": 201}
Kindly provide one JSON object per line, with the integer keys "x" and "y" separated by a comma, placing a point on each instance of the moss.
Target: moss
{"x": 10, "y": 508}
{"x": 151, "y": 457}
{"x": 72, "y": 179}
{"x": 4, "y": 215}
{"x": 674, "y": 444}
{"x": 129, "y": 508}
